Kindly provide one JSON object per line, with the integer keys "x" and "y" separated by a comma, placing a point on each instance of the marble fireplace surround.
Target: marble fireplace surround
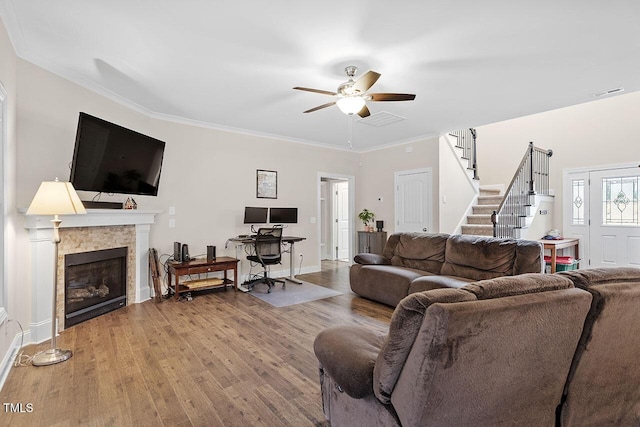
{"x": 98, "y": 229}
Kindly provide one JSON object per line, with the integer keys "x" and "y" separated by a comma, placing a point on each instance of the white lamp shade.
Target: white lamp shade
{"x": 351, "y": 104}
{"x": 56, "y": 198}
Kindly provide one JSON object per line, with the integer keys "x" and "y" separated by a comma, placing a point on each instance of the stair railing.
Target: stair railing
{"x": 466, "y": 140}
{"x": 531, "y": 178}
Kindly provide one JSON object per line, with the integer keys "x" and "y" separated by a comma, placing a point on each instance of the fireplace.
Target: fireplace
{"x": 95, "y": 283}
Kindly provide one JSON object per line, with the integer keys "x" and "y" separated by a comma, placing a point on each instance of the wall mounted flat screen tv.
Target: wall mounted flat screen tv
{"x": 108, "y": 158}
{"x": 283, "y": 215}
{"x": 255, "y": 215}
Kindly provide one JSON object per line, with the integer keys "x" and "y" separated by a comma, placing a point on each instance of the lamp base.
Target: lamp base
{"x": 51, "y": 357}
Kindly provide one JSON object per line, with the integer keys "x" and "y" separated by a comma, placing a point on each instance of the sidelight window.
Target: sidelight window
{"x": 577, "y": 190}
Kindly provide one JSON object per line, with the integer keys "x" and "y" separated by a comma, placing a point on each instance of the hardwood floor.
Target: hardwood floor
{"x": 223, "y": 359}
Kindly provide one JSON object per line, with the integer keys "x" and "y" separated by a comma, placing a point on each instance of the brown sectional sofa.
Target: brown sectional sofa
{"x": 534, "y": 349}
{"x": 416, "y": 262}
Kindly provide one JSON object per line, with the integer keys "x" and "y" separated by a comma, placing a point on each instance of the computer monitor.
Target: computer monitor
{"x": 283, "y": 215}
{"x": 254, "y": 215}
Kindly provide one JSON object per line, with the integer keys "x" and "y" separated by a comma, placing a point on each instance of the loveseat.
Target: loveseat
{"x": 533, "y": 349}
{"x": 416, "y": 262}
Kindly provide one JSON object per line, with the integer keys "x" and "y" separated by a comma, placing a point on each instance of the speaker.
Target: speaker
{"x": 177, "y": 251}
{"x": 185, "y": 253}
{"x": 379, "y": 225}
{"x": 211, "y": 253}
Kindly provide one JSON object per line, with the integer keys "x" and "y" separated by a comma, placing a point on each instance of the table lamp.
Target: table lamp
{"x": 54, "y": 198}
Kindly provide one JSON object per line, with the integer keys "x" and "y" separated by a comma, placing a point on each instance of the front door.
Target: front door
{"x": 615, "y": 224}
{"x": 413, "y": 201}
{"x": 602, "y": 209}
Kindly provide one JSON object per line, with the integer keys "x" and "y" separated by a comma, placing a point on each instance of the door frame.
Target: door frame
{"x": 567, "y": 227}
{"x": 350, "y": 179}
{"x": 396, "y": 174}
{"x": 334, "y": 220}
{"x": 4, "y": 250}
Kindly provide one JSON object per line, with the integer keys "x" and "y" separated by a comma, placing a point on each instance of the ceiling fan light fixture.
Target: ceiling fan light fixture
{"x": 351, "y": 104}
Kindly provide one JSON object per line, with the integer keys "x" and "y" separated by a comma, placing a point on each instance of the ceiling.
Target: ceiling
{"x": 232, "y": 64}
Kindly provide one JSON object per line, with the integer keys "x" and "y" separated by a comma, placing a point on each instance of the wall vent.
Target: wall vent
{"x": 381, "y": 118}
{"x": 608, "y": 92}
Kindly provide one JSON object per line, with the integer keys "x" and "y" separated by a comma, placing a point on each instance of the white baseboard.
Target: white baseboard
{"x": 10, "y": 356}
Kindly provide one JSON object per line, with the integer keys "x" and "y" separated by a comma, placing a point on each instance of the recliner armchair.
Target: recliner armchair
{"x": 495, "y": 352}
{"x": 268, "y": 251}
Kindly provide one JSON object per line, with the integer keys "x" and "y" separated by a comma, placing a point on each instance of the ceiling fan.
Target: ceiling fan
{"x": 352, "y": 95}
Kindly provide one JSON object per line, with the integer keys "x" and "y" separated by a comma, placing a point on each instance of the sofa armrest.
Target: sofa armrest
{"x": 371, "y": 259}
{"x": 347, "y": 354}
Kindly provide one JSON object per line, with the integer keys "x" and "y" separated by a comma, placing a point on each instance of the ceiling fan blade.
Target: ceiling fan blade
{"x": 320, "y": 107}
{"x": 324, "y": 92}
{"x": 364, "y": 112}
{"x": 392, "y": 96}
{"x": 367, "y": 80}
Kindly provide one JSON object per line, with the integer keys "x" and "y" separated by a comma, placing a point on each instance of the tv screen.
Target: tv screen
{"x": 283, "y": 215}
{"x": 255, "y": 215}
{"x": 108, "y": 158}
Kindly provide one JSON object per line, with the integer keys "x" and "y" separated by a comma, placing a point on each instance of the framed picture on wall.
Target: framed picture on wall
{"x": 267, "y": 184}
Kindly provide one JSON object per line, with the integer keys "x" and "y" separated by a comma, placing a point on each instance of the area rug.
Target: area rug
{"x": 292, "y": 293}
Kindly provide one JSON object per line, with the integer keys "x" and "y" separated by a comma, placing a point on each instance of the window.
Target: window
{"x": 620, "y": 201}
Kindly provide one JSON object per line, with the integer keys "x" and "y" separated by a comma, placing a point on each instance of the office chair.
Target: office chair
{"x": 268, "y": 251}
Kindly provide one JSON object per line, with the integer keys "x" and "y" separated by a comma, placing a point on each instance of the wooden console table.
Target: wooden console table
{"x": 202, "y": 266}
{"x": 554, "y": 245}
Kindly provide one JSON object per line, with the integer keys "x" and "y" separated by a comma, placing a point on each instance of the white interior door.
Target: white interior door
{"x": 615, "y": 224}
{"x": 342, "y": 220}
{"x": 413, "y": 200}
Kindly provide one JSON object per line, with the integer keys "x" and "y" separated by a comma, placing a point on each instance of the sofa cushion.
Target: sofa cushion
{"x": 348, "y": 354}
{"x": 426, "y": 283}
{"x": 384, "y": 283}
{"x": 478, "y": 258}
{"x": 499, "y": 361}
{"x": 405, "y": 324}
{"x": 529, "y": 257}
{"x": 601, "y": 276}
{"x": 371, "y": 259}
{"x": 417, "y": 250}
{"x": 517, "y": 285}
{"x": 602, "y": 388}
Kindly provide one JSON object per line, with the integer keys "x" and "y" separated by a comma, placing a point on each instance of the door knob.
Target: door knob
{"x": 424, "y": 229}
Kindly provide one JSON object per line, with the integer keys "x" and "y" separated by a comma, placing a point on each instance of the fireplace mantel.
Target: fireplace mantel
{"x": 93, "y": 218}
{"x": 40, "y": 230}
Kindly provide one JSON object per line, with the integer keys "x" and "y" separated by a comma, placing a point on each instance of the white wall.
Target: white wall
{"x": 457, "y": 191}
{"x": 602, "y": 132}
{"x": 375, "y": 178}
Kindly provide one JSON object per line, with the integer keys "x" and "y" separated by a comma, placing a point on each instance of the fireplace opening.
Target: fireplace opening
{"x": 95, "y": 283}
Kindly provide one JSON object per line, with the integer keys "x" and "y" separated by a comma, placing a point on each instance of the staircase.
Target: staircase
{"x": 512, "y": 213}
{"x": 479, "y": 221}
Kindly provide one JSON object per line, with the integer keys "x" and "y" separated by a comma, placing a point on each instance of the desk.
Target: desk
{"x": 554, "y": 245}
{"x": 291, "y": 240}
{"x": 200, "y": 266}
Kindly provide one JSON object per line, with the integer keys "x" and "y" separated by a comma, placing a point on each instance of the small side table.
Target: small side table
{"x": 554, "y": 245}
{"x": 201, "y": 266}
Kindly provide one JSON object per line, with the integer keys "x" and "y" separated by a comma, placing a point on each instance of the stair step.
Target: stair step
{"x": 482, "y": 219}
{"x": 489, "y": 200}
{"x": 477, "y": 230}
{"x": 484, "y": 209}
{"x": 489, "y": 191}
